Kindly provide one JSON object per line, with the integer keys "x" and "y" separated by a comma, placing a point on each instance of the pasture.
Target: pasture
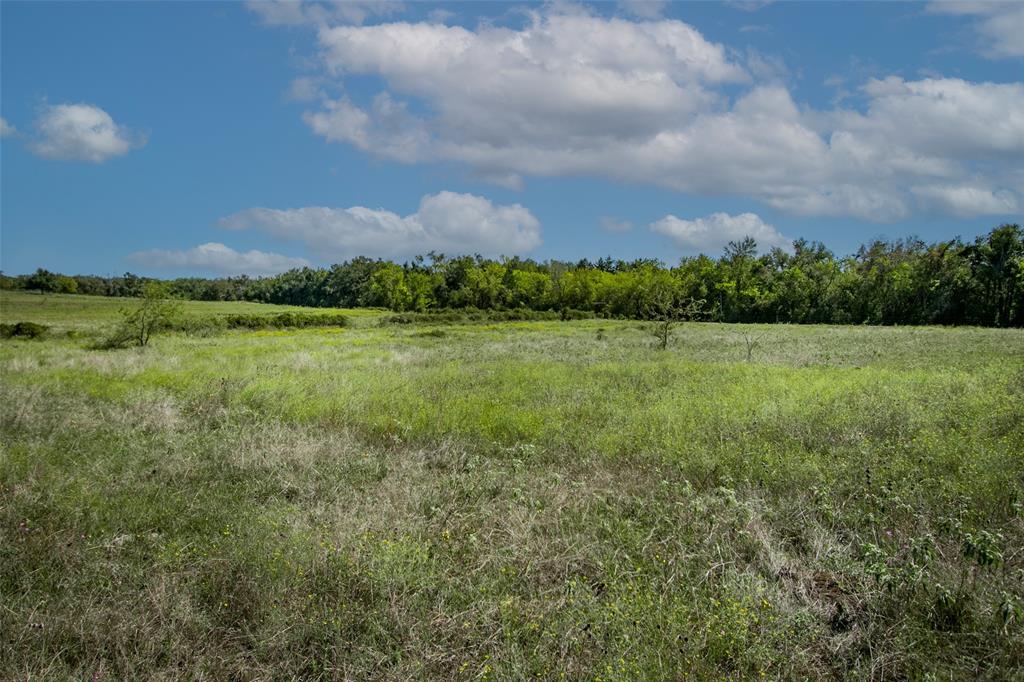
{"x": 519, "y": 500}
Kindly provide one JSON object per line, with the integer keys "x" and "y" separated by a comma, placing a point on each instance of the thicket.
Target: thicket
{"x": 886, "y": 282}
{"x": 283, "y": 320}
{"x": 464, "y": 315}
{"x": 25, "y": 330}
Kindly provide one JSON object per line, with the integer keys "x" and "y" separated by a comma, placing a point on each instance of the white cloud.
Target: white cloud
{"x": 714, "y": 232}
{"x": 81, "y": 132}
{"x": 218, "y": 258}
{"x": 558, "y": 83}
{"x": 610, "y": 224}
{"x": 946, "y": 118}
{"x": 570, "y": 93}
{"x": 6, "y": 128}
{"x": 967, "y": 201}
{"x": 999, "y": 25}
{"x": 446, "y": 222}
{"x": 387, "y": 130}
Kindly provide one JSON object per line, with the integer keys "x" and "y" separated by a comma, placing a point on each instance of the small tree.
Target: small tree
{"x": 667, "y": 313}
{"x": 155, "y": 311}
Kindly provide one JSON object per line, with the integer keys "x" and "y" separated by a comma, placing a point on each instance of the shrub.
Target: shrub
{"x": 287, "y": 320}
{"x": 202, "y": 326}
{"x": 430, "y": 333}
{"x": 467, "y": 315}
{"x": 25, "y": 330}
{"x": 155, "y": 312}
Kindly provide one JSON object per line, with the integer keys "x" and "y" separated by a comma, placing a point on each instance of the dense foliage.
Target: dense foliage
{"x": 885, "y": 282}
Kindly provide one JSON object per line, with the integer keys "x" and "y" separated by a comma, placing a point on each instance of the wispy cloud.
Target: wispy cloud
{"x": 609, "y": 224}
{"x": 714, "y": 232}
{"x": 998, "y": 26}
{"x": 446, "y": 222}
{"x": 218, "y": 258}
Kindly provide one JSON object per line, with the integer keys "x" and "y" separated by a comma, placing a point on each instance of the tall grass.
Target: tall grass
{"x": 513, "y": 500}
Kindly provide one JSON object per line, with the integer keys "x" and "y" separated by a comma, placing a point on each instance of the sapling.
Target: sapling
{"x": 155, "y": 311}
{"x": 667, "y": 313}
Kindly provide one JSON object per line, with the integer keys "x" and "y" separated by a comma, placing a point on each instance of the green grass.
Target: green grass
{"x": 510, "y": 501}
{"x": 71, "y": 311}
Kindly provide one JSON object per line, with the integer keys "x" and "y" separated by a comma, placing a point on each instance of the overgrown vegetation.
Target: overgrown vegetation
{"x": 466, "y": 315}
{"x": 900, "y": 282}
{"x": 154, "y": 312}
{"x": 26, "y": 330}
{"x": 287, "y": 320}
{"x": 515, "y": 500}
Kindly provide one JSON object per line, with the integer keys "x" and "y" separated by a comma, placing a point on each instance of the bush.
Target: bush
{"x": 288, "y": 320}
{"x": 24, "y": 330}
{"x": 202, "y": 326}
{"x": 430, "y": 333}
{"x": 155, "y": 312}
{"x": 467, "y": 315}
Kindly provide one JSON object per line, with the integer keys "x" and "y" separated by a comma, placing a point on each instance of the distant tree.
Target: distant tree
{"x": 421, "y": 285}
{"x": 66, "y": 285}
{"x": 43, "y": 281}
{"x": 905, "y": 281}
{"x": 997, "y": 263}
{"x": 388, "y": 288}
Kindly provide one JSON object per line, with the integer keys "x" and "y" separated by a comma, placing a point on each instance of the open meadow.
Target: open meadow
{"x": 542, "y": 500}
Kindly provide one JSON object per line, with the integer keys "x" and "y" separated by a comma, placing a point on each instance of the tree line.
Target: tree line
{"x": 906, "y": 281}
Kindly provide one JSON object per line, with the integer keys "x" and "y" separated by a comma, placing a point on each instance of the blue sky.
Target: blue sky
{"x": 219, "y": 138}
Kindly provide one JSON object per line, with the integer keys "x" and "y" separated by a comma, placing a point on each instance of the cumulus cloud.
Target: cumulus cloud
{"x": 218, "y": 258}
{"x": 388, "y": 130}
{"x": 654, "y": 102}
{"x": 502, "y": 96}
{"x": 81, "y": 132}
{"x": 447, "y": 222}
{"x": 6, "y": 128}
{"x": 999, "y": 25}
{"x": 946, "y": 118}
{"x": 714, "y": 232}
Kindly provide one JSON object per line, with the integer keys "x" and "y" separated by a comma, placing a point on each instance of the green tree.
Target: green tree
{"x": 997, "y": 260}
{"x": 43, "y": 281}
{"x": 388, "y": 288}
{"x": 155, "y": 312}
{"x": 421, "y": 286}
{"x": 65, "y": 285}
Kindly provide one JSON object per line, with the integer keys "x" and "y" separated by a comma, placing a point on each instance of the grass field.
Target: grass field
{"x": 545, "y": 500}
{"x": 69, "y": 311}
